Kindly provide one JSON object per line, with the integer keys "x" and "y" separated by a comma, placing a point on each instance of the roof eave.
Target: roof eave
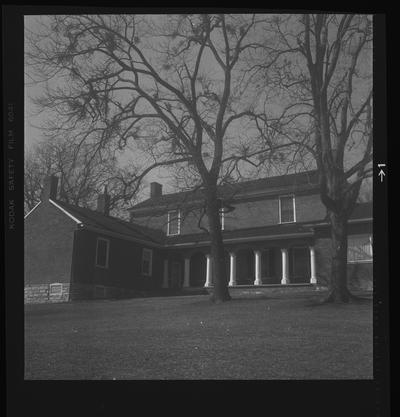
{"x": 120, "y": 236}
{"x": 66, "y": 212}
{"x": 32, "y": 210}
{"x": 243, "y": 239}
{"x": 323, "y": 224}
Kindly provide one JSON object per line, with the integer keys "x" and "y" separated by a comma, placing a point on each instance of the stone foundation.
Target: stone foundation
{"x": 64, "y": 292}
{"x": 47, "y": 293}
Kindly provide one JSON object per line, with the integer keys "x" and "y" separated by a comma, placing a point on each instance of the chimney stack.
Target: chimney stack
{"x": 155, "y": 190}
{"x": 103, "y": 203}
{"x": 49, "y": 190}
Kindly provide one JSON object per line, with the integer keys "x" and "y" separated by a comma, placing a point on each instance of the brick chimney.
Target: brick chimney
{"x": 155, "y": 190}
{"x": 103, "y": 203}
{"x": 49, "y": 190}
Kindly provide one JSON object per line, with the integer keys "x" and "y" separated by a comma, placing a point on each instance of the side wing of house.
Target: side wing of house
{"x": 106, "y": 265}
{"x": 48, "y": 244}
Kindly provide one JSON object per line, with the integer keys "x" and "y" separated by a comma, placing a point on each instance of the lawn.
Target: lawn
{"x": 280, "y": 337}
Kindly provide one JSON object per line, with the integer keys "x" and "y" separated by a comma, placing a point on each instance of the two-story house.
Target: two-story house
{"x": 274, "y": 231}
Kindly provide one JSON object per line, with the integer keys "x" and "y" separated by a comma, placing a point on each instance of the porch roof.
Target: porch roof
{"x": 362, "y": 213}
{"x": 279, "y": 231}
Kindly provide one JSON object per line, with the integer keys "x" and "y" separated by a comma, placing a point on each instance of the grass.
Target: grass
{"x": 189, "y": 338}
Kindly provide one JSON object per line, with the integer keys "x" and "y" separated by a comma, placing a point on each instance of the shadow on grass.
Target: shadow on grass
{"x": 321, "y": 301}
{"x": 245, "y": 299}
{"x": 306, "y": 300}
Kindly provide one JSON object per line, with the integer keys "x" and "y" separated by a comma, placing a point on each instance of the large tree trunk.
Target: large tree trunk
{"x": 220, "y": 292}
{"x": 339, "y": 292}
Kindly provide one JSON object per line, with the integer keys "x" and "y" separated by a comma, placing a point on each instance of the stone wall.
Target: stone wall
{"x": 45, "y": 293}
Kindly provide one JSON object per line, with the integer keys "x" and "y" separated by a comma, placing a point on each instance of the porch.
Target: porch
{"x": 246, "y": 267}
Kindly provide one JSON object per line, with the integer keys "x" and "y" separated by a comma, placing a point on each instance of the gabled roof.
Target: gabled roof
{"x": 289, "y": 183}
{"x": 95, "y": 219}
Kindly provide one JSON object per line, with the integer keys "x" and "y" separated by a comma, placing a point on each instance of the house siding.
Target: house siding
{"x": 266, "y": 212}
{"x": 247, "y": 214}
{"x": 124, "y": 263}
{"x": 157, "y": 220}
{"x": 48, "y": 245}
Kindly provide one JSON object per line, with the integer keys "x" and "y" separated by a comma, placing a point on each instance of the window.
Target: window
{"x": 55, "y": 289}
{"x": 359, "y": 248}
{"x": 174, "y": 223}
{"x": 102, "y": 252}
{"x": 222, "y": 218}
{"x": 287, "y": 209}
{"x": 147, "y": 261}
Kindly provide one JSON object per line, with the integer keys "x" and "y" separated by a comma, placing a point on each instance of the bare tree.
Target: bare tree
{"x": 33, "y": 178}
{"x": 366, "y": 191}
{"x": 170, "y": 87}
{"x": 324, "y": 68}
{"x": 83, "y": 176}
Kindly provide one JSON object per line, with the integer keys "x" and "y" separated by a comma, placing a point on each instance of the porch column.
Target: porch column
{"x": 208, "y": 271}
{"x": 232, "y": 275}
{"x": 313, "y": 279}
{"x": 186, "y": 277}
{"x": 257, "y": 267}
{"x": 165, "y": 276}
{"x": 285, "y": 267}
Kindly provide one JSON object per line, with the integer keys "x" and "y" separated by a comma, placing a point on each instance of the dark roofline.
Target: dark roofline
{"x": 84, "y": 223}
{"x": 121, "y": 236}
{"x": 361, "y": 213}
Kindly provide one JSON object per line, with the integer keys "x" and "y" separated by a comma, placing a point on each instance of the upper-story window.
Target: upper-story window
{"x": 147, "y": 262}
{"x": 174, "y": 223}
{"x": 287, "y": 209}
{"x": 102, "y": 252}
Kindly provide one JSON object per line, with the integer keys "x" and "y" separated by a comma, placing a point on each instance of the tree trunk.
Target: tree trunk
{"x": 220, "y": 292}
{"x": 339, "y": 292}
